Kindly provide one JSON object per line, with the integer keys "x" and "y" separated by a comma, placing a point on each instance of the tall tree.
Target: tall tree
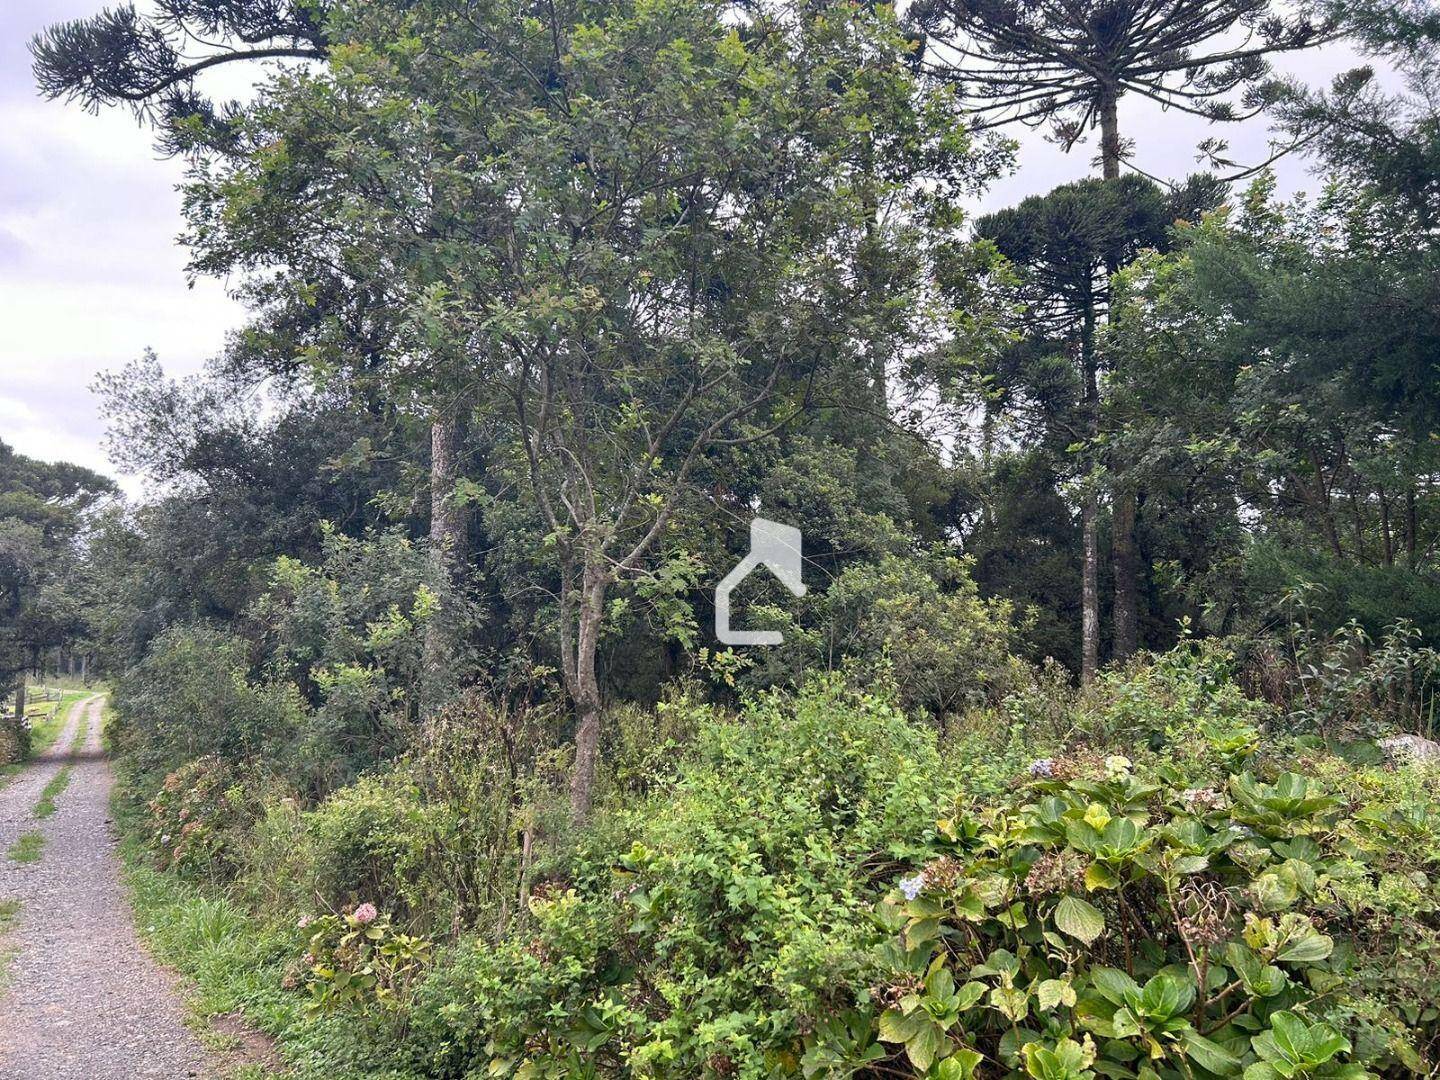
{"x": 154, "y": 63}
{"x": 1069, "y": 64}
{"x": 637, "y": 247}
{"x": 1063, "y": 245}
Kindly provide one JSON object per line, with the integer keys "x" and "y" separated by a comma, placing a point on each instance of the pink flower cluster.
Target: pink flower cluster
{"x": 366, "y": 913}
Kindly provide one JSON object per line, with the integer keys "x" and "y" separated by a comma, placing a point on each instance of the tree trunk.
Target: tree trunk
{"x": 20, "y": 696}
{"x": 1090, "y": 591}
{"x": 1109, "y": 135}
{"x": 447, "y": 541}
{"x": 1410, "y": 526}
{"x": 1320, "y": 499}
{"x": 1090, "y": 508}
{"x": 585, "y": 694}
{"x": 1387, "y": 537}
{"x": 1124, "y": 557}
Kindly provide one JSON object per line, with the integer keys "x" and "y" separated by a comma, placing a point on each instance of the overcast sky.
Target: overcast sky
{"x": 91, "y": 275}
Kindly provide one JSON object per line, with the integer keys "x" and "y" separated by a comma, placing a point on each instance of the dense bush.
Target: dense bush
{"x": 199, "y": 821}
{"x": 1155, "y": 877}
{"x": 1202, "y": 910}
{"x": 1128, "y": 924}
{"x": 918, "y": 620}
{"x": 192, "y": 697}
{"x": 736, "y": 916}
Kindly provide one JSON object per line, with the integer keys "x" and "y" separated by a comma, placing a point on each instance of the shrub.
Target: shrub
{"x": 360, "y": 959}
{"x": 735, "y": 919}
{"x": 445, "y": 837}
{"x": 1347, "y": 686}
{"x": 644, "y": 748}
{"x": 191, "y": 697}
{"x": 197, "y": 823}
{"x": 1126, "y": 926}
{"x": 1185, "y": 696}
{"x": 918, "y": 620}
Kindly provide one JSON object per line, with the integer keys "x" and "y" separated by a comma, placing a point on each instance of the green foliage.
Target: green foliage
{"x": 447, "y": 837}
{"x": 192, "y": 697}
{"x": 350, "y": 634}
{"x": 1188, "y": 695}
{"x": 237, "y": 964}
{"x": 1345, "y": 686}
{"x": 579, "y": 287}
{"x": 916, "y": 620}
{"x": 1120, "y": 925}
{"x": 198, "y": 822}
{"x": 817, "y": 887}
{"x": 735, "y": 917}
{"x": 360, "y": 959}
{"x": 43, "y": 508}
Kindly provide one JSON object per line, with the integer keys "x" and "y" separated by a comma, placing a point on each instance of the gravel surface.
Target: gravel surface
{"x": 84, "y": 1001}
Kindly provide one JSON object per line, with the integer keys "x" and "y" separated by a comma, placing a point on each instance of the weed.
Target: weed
{"x": 53, "y": 790}
{"x": 27, "y": 849}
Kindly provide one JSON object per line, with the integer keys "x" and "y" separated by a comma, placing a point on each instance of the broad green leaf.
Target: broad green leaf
{"x": 1307, "y": 949}
{"x": 958, "y": 1066}
{"x": 1099, "y": 876}
{"x": 1113, "y": 984}
{"x": 922, "y": 1047}
{"x": 899, "y": 1027}
{"x": 968, "y": 995}
{"x": 1079, "y": 918}
{"x": 1052, "y": 992}
{"x": 1208, "y": 1054}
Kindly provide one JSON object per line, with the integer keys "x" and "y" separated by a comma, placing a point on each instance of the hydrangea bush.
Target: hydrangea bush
{"x": 1128, "y": 926}
{"x": 360, "y": 959}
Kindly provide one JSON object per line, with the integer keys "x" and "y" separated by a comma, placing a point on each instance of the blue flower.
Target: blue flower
{"x": 1044, "y": 767}
{"x": 911, "y": 886}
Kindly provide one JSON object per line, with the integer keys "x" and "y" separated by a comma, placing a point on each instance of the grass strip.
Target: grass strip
{"x": 9, "y": 910}
{"x": 27, "y": 849}
{"x": 237, "y": 963}
{"x": 53, "y": 790}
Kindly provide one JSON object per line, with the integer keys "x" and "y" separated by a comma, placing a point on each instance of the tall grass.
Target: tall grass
{"x": 237, "y": 964}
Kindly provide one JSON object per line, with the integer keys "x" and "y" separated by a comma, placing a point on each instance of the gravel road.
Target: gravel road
{"x": 84, "y": 1000}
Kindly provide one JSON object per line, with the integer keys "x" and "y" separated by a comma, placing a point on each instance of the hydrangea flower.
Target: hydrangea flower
{"x": 1202, "y": 798}
{"x": 911, "y": 886}
{"x": 1044, "y": 767}
{"x": 366, "y": 913}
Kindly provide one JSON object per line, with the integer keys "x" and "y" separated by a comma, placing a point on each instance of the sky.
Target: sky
{"x": 91, "y": 274}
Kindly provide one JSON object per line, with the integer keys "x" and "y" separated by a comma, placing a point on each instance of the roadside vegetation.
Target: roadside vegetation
{"x": 1164, "y": 872}
{"x": 1101, "y": 742}
{"x": 53, "y": 790}
{"x": 27, "y": 847}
